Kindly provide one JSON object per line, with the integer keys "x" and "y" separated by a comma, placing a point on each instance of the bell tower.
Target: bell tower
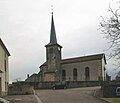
{"x": 53, "y": 56}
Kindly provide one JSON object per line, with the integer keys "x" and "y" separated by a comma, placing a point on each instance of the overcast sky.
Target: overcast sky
{"x": 25, "y": 30}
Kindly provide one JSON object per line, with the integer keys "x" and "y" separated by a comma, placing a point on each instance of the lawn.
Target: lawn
{"x": 116, "y": 100}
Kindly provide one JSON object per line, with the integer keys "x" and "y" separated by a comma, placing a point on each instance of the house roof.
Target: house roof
{"x": 4, "y": 47}
{"x": 81, "y": 59}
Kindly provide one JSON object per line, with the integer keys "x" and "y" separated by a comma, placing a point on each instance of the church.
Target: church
{"x": 56, "y": 69}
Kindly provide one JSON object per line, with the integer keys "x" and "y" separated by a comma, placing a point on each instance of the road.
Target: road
{"x": 21, "y": 99}
{"x": 78, "y": 95}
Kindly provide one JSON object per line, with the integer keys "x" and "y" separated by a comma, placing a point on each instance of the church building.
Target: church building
{"x": 85, "y": 68}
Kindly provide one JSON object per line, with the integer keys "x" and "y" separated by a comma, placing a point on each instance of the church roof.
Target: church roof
{"x": 84, "y": 58}
{"x": 81, "y": 59}
{"x": 44, "y": 64}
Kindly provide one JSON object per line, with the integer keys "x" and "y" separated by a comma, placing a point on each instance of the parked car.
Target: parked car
{"x": 59, "y": 86}
{"x": 118, "y": 91}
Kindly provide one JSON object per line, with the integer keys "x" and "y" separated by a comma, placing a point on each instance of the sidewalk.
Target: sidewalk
{"x": 97, "y": 94}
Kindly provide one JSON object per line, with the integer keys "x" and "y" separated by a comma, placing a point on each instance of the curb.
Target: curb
{"x": 94, "y": 95}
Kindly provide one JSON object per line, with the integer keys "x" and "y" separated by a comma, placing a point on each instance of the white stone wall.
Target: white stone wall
{"x": 103, "y": 69}
{"x": 5, "y": 72}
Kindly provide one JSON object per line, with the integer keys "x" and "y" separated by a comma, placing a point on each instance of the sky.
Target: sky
{"x": 25, "y": 30}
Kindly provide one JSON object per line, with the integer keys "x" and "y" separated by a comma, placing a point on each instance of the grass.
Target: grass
{"x": 116, "y": 100}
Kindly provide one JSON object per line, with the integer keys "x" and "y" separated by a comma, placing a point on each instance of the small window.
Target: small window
{"x": 5, "y": 65}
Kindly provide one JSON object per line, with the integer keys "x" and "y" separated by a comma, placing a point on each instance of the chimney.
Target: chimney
{"x": 28, "y": 76}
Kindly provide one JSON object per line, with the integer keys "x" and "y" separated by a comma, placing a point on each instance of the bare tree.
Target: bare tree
{"x": 110, "y": 26}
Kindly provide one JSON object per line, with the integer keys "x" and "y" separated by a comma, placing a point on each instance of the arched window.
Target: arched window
{"x": 63, "y": 75}
{"x": 87, "y": 73}
{"x": 75, "y": 74}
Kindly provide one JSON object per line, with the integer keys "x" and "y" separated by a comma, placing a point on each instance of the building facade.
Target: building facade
{"x": 86, "y": 68}
{"x": 4, "y": 69}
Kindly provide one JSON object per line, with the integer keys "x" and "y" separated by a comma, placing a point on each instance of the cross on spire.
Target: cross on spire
{"x": 51, "y": 9}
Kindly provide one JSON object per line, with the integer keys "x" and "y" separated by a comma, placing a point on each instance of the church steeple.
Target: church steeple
{"x": 53, "y": 39}
{"x": 53, "y": 56}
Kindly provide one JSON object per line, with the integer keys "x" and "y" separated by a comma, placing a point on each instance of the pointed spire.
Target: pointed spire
{"x": 53, "y": 38}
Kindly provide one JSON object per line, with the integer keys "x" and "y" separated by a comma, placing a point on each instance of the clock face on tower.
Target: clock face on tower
{"x": 59, "y": 48}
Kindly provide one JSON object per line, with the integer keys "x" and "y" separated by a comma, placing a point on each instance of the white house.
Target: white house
{"x": 4, "y": 69}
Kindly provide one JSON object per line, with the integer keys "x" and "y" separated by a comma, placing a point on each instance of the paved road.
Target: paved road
{"x": 79, "y": 95}
{"x": 21, "y": 99}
